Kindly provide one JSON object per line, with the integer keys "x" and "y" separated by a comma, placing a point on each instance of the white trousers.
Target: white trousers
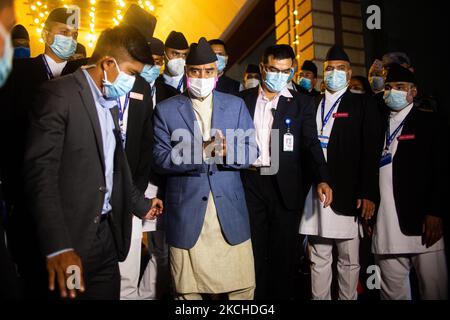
{"x": 321, "y": 271}
{"x": 430, "y": 268}
{"x": 153, "y": 283}
{"x": 156, "y": 278}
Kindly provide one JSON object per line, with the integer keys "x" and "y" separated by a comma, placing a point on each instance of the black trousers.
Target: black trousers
{"x": 274, "y": 232}
{"x": 101, "y": 267}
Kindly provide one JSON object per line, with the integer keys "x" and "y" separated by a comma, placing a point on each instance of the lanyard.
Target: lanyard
{"x": 390, "y": 138}
{"x": 47, "y": 67}
{"x": 180, "y": 83}
{"x": 124, "y": 108}
{"x": 327, "y": 117}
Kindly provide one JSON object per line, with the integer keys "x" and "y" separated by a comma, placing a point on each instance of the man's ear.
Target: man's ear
{"x": 261, "y": 69}
{"x": 107, "y": 63}
{"x": 47, "y": 37}
{"x": 414, "y": 91}
{"x": 350, "y": 72}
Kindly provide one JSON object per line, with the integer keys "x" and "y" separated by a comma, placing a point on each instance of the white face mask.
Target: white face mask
{"x": 201, "y": 87}
{"x": 176, "y": 66}
{"x": 251, "y": 83}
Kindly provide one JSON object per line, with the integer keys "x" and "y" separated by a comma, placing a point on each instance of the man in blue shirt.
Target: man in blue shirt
{"x": 78, "y": 180}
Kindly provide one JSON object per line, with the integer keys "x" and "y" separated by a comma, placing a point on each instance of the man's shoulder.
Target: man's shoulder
{"x": 230, "y": 99}
{"x": 61, "y": 85}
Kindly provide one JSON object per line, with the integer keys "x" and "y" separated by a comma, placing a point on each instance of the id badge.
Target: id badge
{"x": 324, "y": 141}
{"x": 288, "y": 142}
{"x": 385, "y": 159}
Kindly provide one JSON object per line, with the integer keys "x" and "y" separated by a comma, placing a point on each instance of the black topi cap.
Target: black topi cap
{"x": 157, "y": 46}
{"x": 19, "y": 32}
{"x": 200, "y": 53}
{"x": 176, "y": 40}
{"x": 397, "y": 73}
{"x": 69, "y": 16}
{"x": 337, "y": 53}
{"x": 143, "y": 21}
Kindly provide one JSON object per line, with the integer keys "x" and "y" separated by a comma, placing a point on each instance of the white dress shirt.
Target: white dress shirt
{"x": 263, "y": 120}
{"x": 55, "y": 67}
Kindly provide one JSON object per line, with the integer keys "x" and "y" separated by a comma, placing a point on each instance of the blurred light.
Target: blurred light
{"x": 295, "y": 12}
{"x": 92, "y": 1}
{"x": 39, "y": 3}
{"x": 152, "y": 8}
{"x": 33, "y": 8}
{"x": 297, "y": 21}
{"x": 36, "y": 20}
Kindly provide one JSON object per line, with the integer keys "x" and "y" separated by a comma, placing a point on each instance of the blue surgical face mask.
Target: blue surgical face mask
{"x": 377, "y": 83}
{"x": 396, "y": 99}
{"x": 120, "y": 87}
{"x": 150, "y": 73}
{"x": 336, "y": 80}
{"x": 21, "y": 52}
{"x": 221, "y": 62}
{"x": 276, "y": 81}
{"x": 6, "y": 59}
{"x": 64, "y": 47}
{"x": 305, "y": 83}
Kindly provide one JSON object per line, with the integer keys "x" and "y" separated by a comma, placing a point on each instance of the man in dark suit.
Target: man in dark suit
{"x": 176, "y": 51}
{"x": 349, "y": 134}
{"x": 224, "y": 84}
{"x": 78, "y": 180}
{"x": 160, "y": 90}
{"x": 409, "y": 229}
{"x": 273, "y": 187}
{"x": 9, "y": 286}
{"x": 17, "y": 96}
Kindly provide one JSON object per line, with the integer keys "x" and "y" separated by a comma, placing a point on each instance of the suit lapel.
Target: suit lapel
{"x": 343, "y": 107}
{"x": 280, "y": 113}
{"x": 185, "y": 109}
{"x": 89, "y": 105}
{"x": 218, "y": 115}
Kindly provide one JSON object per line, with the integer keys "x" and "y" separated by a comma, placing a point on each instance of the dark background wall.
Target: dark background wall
{"x": 420, "y": 29}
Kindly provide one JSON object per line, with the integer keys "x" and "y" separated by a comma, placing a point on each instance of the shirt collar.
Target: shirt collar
{"x": 401, "y": 115}
{"x": 285, "y": 93}
{"x": 98, "y": 96}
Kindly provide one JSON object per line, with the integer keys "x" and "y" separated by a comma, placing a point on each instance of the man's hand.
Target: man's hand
{"x": 57, "y": 268}
{"x": 155, "y": 210}
{"x": 325, "y": 194}
{"x": 368, "y": 208}
{"x": 367, "y": 227}
{"x": 217, "y": 146}
{"x": 432, "y": 230}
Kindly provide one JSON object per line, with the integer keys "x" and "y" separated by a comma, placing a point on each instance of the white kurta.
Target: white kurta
{"x": 317, "y": 220}
{"x": 387, "y": 237}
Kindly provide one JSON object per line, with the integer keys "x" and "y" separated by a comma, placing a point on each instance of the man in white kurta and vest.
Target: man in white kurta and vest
{"x": 348, "y": 128}
{"x": 207, "y": 228}
{"x": 409, "y": 227}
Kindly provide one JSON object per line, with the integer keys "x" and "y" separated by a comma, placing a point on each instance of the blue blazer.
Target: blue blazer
{"x": 189, "y": 183}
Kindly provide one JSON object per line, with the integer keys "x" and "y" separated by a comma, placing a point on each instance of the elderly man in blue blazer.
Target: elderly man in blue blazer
{"x": 202, "y": 139}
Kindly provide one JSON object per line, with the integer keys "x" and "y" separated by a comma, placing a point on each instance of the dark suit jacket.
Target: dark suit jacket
{"x": 139, "y": 143}
{"x": 17, "y": 97}
{"x": 420, "y": 169}
{"x": 163, "y": 91}
{"x": 227, "y": 85}
{"x": 300, "y": 109}
{"x": 64, "y": 171}
{"x": 353, "y": 154}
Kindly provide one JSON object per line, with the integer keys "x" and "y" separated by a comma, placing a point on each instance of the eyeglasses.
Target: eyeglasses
{"x": 276, "y": 70}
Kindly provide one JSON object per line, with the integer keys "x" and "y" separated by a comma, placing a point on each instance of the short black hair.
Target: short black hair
{"x": 279, "y": 52}
{"x": 6, "y": 3}
{"x": 219, "y": 42}
{"x": 121, "y": 41}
